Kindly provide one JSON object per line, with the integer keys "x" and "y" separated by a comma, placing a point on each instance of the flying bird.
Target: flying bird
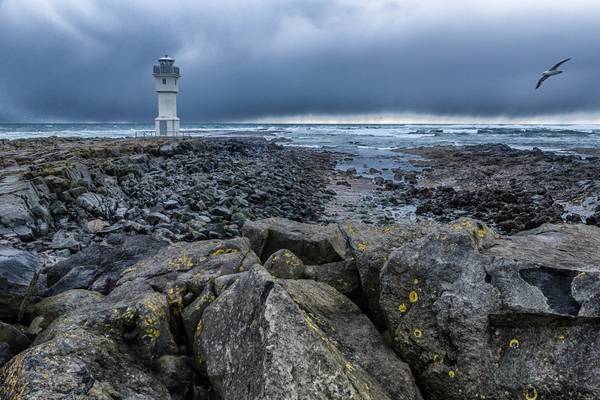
{"x": 551, "y": 72}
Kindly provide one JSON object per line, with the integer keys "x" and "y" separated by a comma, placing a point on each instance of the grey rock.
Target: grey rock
{"x": 97, "y": 204}
{"x": 477, "y": 315}
{"x": 266, "y": 339}
{"x": 192, "y": 265}
{"x": 284, "y": 264}
{"x": 370, "y": 247}
{"x": 50, "y": 308}
{"x": 223, "y": 282}
{"x": 313, "y": 244}
{"x": 20, "y": 205}
{"x": 170, "y": 204}
{"x": 341, "y": 275}
{"x": 156, "y": 218}
{"x": 64, "y": 239}
{"x": 95, "y": 226}
{"x": 77, "y": 365}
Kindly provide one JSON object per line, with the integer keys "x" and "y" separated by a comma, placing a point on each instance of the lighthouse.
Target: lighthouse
{"x": 166, "y": 75}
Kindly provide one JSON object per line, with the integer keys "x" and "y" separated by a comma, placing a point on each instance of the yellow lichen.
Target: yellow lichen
{"x": 402, "y": 308}
{"x": 182, "y": 263}
{"x": 452, "y": 374}
{"x": 529, "y": 393}
{"x": 218, "y": 252}
{"x": 416, "y": 281}
{"x": 437, "y": 358}
{"x": 361, "y": 246}
{"x": 562, "y": 338}
{"x": 349, "y": 367}
{"x": 413, "y": 297}
{"x": 417, "y": 333}
{"x": 513, "y": 344}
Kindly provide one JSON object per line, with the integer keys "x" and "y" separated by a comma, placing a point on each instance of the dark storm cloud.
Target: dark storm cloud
{"x": 92, "y": 60}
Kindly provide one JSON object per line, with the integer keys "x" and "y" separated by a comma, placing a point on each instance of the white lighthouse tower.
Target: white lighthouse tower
{"x": 166, "y": 75}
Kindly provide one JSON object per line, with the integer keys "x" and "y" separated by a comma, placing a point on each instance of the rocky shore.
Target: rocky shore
{"x": 194, "y": 269}
{"x": 512, "y": 190}
{"x": 59, "y": 195}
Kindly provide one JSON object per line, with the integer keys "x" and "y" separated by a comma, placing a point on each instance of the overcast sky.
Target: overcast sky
{"x": 286, "y": 60}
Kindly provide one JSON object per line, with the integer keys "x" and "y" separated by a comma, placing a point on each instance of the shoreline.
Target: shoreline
{"x": 59, "y": 194}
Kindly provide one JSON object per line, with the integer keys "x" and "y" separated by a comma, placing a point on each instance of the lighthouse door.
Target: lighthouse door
{"x": 163, "y": 128}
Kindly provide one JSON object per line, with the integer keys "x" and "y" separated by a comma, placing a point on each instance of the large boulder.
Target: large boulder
{"x": 132, "y": 342}
{"x": 78, "y": 365}
{"x": 102, "y": 350}
{"x": 100, "y": 265}
{"x": 313, "y": 244}
{"x": 370, "y": 247}
{"x": 17, "y": 269}
{"x": 481, "y": 316}
{"x": 190, "y": 267}
{"x": 50, "y": 308}
{"x": 284, "y": 339}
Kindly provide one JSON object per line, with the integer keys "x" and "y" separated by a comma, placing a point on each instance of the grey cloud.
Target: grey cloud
{"x": 282, "y": 57}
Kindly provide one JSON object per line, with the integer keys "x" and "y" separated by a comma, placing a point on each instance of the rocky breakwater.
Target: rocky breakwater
{"x": 58, "y": 196}
{"x": 341, "y": 311}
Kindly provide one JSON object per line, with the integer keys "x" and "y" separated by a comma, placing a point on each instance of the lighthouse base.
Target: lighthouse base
{"x": 167, "y": 126}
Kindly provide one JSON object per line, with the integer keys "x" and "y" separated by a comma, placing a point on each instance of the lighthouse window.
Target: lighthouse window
{"x": 164, "y": 81}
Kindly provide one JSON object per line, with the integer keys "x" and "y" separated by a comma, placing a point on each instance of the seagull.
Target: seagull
{"x": 552, "y": 71}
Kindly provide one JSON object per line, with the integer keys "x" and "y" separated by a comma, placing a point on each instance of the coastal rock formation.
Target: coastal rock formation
{"x": 265, "y": 339}
{"x": 479, "y": 316}
{"x": 17, "y": 270}
{"x": 61, "y": 195}
{"x": 99, "y": 266}
{"x": 411, "y": 311}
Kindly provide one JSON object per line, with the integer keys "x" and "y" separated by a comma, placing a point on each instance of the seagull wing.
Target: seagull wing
{"x": 542, "y": 79}
{"x": 554, "y": 68}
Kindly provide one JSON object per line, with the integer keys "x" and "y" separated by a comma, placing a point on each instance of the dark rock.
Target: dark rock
{"x": 5, "y": 353}
{"x": 156, "y": 218}
{"x": 100, "y": 262}
{"x": 64, "y": 239}
{"x": 17, "y": 269}
{"x": 221, "y": 212}
{"x": 351, "y": 171}
{"x": 17, "y": 341}
{"x": 192, "y": 314}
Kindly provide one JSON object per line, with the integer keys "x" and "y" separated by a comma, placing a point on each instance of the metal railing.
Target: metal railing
{"x": 166, "y": 69}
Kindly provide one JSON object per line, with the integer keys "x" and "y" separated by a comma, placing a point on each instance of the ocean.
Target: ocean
{"x": 370, "y": 144}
